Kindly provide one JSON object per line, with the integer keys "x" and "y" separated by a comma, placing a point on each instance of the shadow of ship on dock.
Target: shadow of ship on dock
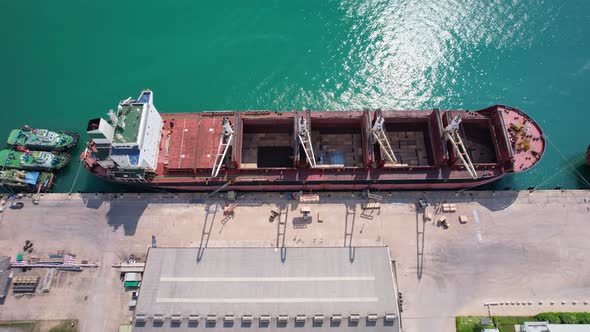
{"x": 125, "y": 213}
{"x": 126, "y": 209}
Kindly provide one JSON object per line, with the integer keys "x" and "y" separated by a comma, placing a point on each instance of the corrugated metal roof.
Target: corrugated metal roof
{"x": 4, "y": 275}
{"x": 132, "y": 276}
{"x": 569, "y": 327}
{"x": 546, "y": 327}
{"x": 132, "y": 267}
{"x": 125, "y": 328}
{"x": 317, "y": 283}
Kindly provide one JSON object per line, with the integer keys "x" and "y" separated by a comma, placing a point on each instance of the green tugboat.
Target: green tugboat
{"x": 32, "y": 160}
{"x": 26, "y": 181}
{"x": 42, "y": 139}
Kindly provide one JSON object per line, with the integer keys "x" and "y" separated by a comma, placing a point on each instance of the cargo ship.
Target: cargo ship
{"x": 42, "y": 139}
{"x": 310, "y": 150}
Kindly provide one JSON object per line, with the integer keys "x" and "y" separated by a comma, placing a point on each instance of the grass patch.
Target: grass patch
{"x": 469, "y": 324}
{"x": 38, "y": 326}
{"x": 565, "y": 317}
{"x": 21, "y": 326}
{"x": 64, "y": 327}
{"x": 506, "y": 323}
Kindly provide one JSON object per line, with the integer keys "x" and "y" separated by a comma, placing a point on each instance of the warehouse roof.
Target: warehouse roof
{"x": 546, "y": 327}
{"x": 268, "y": 289}
{"x": 4, "y": 275}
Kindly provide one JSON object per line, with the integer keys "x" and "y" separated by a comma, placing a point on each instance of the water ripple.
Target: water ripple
{"x": 413, "y": 54}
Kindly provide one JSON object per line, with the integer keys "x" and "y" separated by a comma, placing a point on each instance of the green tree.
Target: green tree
{"x": 550, "y": 317}
{"x": 583, "y": 317}
{"x": 568, "y": 318}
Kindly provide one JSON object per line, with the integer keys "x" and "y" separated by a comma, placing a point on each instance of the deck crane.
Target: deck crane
{"x": 225, "y": 140}
{"x": 379, "y": 134}
{"x": 305, "y": 140}
{"x": 452, "y": 134}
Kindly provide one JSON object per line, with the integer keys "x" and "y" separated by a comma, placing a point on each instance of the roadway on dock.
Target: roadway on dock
{"x": 516, "y": 247}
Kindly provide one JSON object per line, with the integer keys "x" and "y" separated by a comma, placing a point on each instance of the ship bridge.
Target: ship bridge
{"x": 128, "y": 141}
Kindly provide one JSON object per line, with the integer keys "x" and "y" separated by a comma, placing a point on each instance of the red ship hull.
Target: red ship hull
{"x": 190, "y": 186}
{"x": 265, "y": 154}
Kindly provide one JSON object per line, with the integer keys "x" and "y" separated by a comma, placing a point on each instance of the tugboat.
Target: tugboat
{"x": 42, "y": 139}
{"x": 25, "y": 181}
{"x": 24, "y": 159}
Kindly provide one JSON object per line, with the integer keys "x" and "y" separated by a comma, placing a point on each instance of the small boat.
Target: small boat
{"x": 33, "y": 160}
{"x": 26, "y": 181}
{"x": 42, "y": 139}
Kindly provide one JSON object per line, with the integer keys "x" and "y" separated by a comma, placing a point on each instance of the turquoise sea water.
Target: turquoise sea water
{"x": 64, "y": 62}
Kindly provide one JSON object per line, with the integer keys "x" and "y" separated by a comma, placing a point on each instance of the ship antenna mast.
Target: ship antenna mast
{"x": 113, "y": 117}
{"x": 452, "y": 134}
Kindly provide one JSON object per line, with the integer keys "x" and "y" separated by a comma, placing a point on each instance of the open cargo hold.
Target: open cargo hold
{"x": 338, "y": 142}
{"x": 267, "y": 144}
{"x": 410, "y": 140}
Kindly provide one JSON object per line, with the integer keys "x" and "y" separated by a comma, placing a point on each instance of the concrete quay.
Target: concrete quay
{"x": 523, "y": 252}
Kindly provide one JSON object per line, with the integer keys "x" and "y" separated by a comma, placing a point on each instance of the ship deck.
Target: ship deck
{"x": 266, "y": 150}
{"x": 526, "y": 138}
{"x": 15, "y": 137}
{"x": 130, "y": 115}
{"x": 189, "y": 142}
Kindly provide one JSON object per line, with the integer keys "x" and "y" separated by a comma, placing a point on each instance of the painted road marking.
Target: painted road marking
{"x": 477, "y": 226}
{"x": 265, "y": 279}
{"x": 267, "y": 300}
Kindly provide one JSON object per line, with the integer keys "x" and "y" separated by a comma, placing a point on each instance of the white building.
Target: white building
{"x": 546, "y": 327}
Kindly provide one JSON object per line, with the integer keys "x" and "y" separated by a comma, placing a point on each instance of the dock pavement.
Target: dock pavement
{"x": 522, "y": 252}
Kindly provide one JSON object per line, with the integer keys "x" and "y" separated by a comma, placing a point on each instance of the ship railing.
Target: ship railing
{"x": 408, "y": 166}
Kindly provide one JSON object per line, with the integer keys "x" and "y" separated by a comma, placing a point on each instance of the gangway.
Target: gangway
{"x": 305, "y": 140}
{"x": 224, "y": 143}
{"x": 452, "y": 134}
{"x": 379, "y": 134}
